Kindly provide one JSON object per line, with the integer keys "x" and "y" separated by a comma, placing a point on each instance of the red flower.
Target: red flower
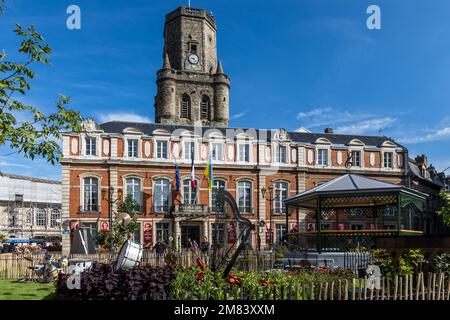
{"x": 233, "y": 280}
{"x": 200, "y": 276}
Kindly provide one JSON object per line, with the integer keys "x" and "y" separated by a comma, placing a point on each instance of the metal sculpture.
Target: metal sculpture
{"x": 224, "y": 197}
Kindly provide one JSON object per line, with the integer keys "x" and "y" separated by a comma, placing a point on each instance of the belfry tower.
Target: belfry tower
{"x": 191, "y": 86}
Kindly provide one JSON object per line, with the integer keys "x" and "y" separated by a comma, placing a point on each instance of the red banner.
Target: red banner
{"x": 293, "y": 227}
{"x": 231, "y": 231}
{"x": 104, "y": 226}
{"x": 148, "y": 234}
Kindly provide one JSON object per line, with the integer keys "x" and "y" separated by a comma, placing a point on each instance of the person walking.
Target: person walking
{"x": 204, "y": 245}
{"x": 159, "y": 248}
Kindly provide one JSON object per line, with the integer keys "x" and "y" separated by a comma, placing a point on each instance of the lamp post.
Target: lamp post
{"x": 271, "y": 198}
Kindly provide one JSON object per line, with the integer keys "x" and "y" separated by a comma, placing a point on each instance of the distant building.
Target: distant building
{"x": 30, "y": 207}
{"x": 424, "y": 177}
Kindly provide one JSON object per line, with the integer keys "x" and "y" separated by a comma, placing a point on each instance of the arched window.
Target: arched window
{"x": 161, "y": 195}
{"x": 245, "y": 196}
{"x": 133, "y": 188}
{"x": 90, "y": 185}
{"x": 189, "y": 192}
{"x": 281, "y": 193}
{"x": 185, "y": 111}
{"x": 204, "y": 108}
{"x": 41, "y": 217}
{"x": 55, "y": 218}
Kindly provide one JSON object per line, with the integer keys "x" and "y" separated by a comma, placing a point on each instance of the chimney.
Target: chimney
{"x": 328, "y": 130}
{"x": 422, "y": 160}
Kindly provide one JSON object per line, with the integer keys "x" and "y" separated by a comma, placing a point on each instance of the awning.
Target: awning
{"x": 18, "y": 240}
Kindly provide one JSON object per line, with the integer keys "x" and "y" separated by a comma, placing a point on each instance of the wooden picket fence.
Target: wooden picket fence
{"x": 432, "y": 286}
{"x": 19, "y": 266}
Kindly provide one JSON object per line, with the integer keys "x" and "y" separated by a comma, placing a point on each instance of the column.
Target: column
{"x": 65, "y": 208}
{"x": 262, "y": 212}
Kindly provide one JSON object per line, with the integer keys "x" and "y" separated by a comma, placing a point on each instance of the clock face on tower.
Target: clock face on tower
{"x": 193, "y": 58}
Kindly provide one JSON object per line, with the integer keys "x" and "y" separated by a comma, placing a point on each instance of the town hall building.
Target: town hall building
{"x": 261, "y": 168}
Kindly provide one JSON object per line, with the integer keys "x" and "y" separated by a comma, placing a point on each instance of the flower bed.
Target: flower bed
{"x": 102, "y": 283}
{"x": 198, "y": 283}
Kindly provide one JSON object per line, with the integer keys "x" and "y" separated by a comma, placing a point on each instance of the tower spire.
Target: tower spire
{"x": 166, "y": 61}
{"x": 219, "y": 68}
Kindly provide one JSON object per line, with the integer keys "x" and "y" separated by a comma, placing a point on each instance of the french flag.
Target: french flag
{"x": 193, "y": 181}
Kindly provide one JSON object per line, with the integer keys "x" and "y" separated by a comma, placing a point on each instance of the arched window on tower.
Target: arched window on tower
{"x": 185, "y": 111}
{"x": 205, "y": 107}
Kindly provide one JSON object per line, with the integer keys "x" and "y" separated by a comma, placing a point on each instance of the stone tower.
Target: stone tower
{"x": 191, "y": 86}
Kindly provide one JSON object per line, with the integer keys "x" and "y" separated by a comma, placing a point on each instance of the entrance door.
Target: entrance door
{"x": 189, "y": 232}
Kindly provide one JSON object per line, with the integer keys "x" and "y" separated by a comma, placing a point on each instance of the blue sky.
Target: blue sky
{"x": 293, "y": 63}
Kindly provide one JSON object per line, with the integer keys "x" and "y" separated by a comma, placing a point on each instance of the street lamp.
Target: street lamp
{"x": 271, "y": 198}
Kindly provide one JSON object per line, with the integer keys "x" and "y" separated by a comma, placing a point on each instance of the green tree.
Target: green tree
{"x": 444, "y": 211}
{"x": 39, "y": 135}
{"x": 120, "y": 233}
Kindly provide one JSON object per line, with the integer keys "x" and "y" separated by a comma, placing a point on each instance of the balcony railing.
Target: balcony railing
{"x": 191, "y": 210}
{"x": 90, "y": 208}
{"x": 246, "y": 210}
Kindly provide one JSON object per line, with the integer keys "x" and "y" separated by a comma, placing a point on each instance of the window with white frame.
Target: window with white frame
{"x": 245, "y": 196}
{"x": 244, "y": 152}
{"x": 133, "y": 188}
{"x": 188, "y": 150}
{"x": 218, "y": 235}
{"x": 161, "y": 195}
{"x": 189, "y": 192}
{"x": 161, "y": 149}
{"x": 281, "y": 154}
{"x": 133, "y": 148}
{"x": 217, "y": 151}
{"x": 162, "y": 232}
{"x": 356, "y": 158}
{"x": 218, "y": 184}
{"x": 281, "y": 193}
{"x": 137, "y": 233}
{"x": 90, "y": 193}
{"x": 91, "y": 146}
{"x": 322, "y": 157}
{"x": 388, "y": 160}
{"x": 41, "y": 217}
{"x": 55, "y": 218}
{"x": 280, "y": 229}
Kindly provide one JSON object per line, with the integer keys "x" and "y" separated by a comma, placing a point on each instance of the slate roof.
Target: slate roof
{"x": 349, "y": 183}
{"x": 414, "y": 171}
{"x": 117, "y": 127}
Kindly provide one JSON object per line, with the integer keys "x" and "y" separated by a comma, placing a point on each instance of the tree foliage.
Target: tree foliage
{"x": 444, "y": 211}
{"x": 121, "y": 233}
{"x": 38, "y": 134}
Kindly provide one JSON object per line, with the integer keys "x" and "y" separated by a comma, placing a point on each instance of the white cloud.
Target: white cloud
{"x": 367, "y": 126}
{"x": 122, "y": 116}
{"x": 240, "y": 114}
{"x": 435, "y": 135}
{"x": 328, "y": 116}
{"x": 11, "y": 164}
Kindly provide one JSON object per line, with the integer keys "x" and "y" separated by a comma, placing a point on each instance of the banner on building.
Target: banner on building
{"x": 293, "y": 227}
{"x": 104, "y": 226}
{"x": 148, "y": 234}
{"x": 231, "y": 231}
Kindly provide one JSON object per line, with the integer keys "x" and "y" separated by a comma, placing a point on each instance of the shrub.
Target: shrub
{"x": 102, "y": 283}
{"x": 441, "y": 263}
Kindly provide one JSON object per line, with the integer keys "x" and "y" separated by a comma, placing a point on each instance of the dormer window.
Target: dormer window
{"x": 356, "y": 158}
{"x": 161, "y": 149}
{"x": 322, "y": 157}
{"x": 244, "y": 152}
{"x": 91, "y": 146}
{"x": 133, "y": 148}
{"x": 281, "y": 155}
{"x": 388, "y": 160}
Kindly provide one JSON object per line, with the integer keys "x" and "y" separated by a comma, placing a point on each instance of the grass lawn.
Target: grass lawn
{"x": 16, "y": 290}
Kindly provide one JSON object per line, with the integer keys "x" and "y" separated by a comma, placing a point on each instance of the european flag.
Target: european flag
{"x": 177, "y": 176}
